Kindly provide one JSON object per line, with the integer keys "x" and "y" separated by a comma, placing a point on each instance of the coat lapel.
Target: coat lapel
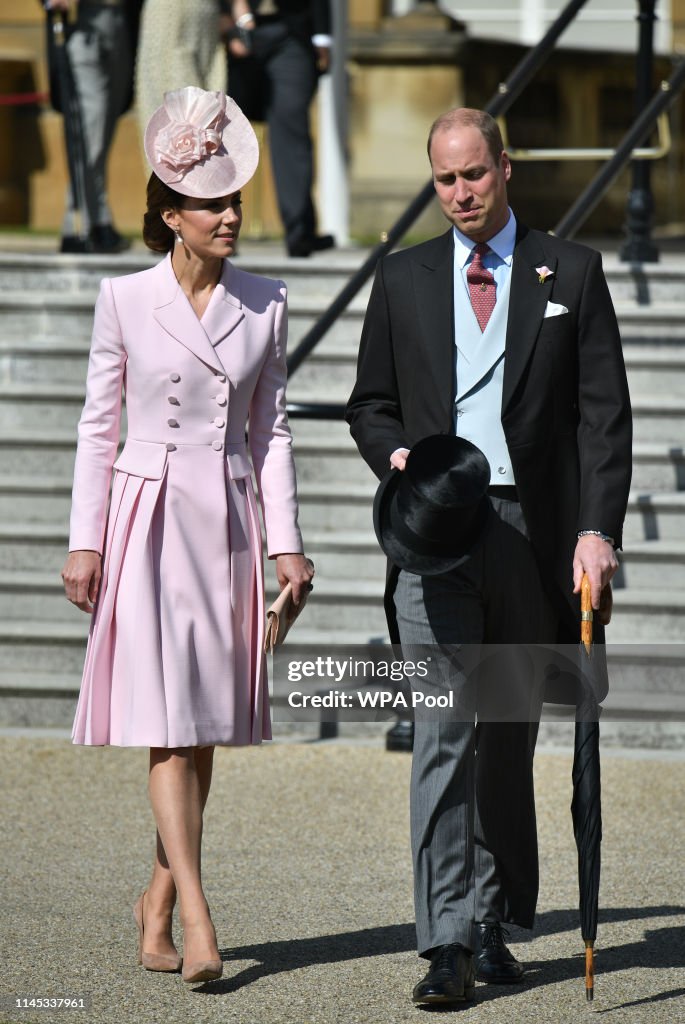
{"x": 225, "y": 309}
{"x": 434, "y": 290}
{"x": 527, "y": 301}
{"x": 176, "y": 316}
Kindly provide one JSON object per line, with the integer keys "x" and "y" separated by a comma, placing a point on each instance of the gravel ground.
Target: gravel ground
{"x": 308, "y": 872}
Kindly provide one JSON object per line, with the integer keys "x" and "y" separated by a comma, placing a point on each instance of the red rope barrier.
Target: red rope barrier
{"x": 18, "y": 99}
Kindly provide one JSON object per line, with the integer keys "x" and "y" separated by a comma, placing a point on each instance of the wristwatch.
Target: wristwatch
{"x": 597, "y": 533}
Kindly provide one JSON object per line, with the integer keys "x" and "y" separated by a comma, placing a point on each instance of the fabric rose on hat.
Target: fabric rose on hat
{"x": 193, "y": 132}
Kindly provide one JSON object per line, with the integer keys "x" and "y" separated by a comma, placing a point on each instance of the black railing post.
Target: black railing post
{"x": 638, "y": 247}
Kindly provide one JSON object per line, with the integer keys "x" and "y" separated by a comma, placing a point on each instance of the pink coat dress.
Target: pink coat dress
{"x": 174, "y": 655}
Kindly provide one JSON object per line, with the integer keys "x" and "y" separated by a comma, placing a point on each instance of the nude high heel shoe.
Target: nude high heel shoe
{"x": 153, "y": 961}
{"x": 204, "y": 970}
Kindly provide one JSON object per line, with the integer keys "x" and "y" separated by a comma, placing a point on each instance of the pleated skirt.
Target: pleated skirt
{"x": 174, "y": 656}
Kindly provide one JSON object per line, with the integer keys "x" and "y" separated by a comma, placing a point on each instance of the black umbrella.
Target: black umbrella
{"x": 586, "y": 807}
{"x": 65, "y": 98}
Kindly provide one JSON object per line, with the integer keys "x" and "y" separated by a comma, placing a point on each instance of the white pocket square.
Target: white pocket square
{"x": 554, "y": 309}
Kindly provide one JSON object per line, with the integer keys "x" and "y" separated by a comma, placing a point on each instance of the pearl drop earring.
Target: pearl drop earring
{"x": 179, "y": 237}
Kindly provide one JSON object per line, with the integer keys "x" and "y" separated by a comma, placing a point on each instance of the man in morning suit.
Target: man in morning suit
{"x": 505, "y": 336}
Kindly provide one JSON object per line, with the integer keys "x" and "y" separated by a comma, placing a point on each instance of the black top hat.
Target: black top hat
{"x": 428, "y": 516}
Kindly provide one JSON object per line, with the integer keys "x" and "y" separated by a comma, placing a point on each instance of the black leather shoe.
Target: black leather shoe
{"x": 309, "y": 244}
{"x": 450, "y": 978}
{"x": 106, "y": 239}
{"x": 494, "y": 963}
{"x": 401, "y": 736}
{"x": 75, "y": 244}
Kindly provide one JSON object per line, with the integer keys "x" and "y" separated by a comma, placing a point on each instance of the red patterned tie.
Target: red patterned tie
{"x": 481, "y": 286}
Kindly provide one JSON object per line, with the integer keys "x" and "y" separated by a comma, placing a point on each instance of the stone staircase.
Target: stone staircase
{"x": 45, "y": 321}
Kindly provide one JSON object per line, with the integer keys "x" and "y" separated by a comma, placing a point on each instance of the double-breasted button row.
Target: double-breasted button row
{"x": 173, "y": 400}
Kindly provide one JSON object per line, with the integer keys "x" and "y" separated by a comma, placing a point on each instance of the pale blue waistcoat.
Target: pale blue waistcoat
{"x": 479, "y": 370}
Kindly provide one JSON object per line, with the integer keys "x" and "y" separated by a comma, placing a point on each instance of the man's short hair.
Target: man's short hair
{"x": 469, "y": 117}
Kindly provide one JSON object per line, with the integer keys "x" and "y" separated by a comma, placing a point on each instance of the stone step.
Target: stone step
{"x": 654, "y": 516}
{"x": 324, "y": 506}
{"x": 40, "y": 645}
{"x": 57, "y": 407}
{"x": 41, "y": 407}
{"x": 330, "y": 370}
{"x": 652, "y": 564}
{"x": 26, "y": 546}
{"x": 34, "y": 498}
{"x": 658, "y": 467}
{"x": 647, "y": 682}
{"x": 349, "y": 555}
{"x": 647, "y": 283}
{"x": 322, "y": 460}
{"x": 639, "y": 283}
{"x": 655, "y": 370}
{"x": 37, "y": 700}
{"x": 651, "y": 616}
{"x": 661, "y": 324}
{"x": 339, "y": 603}
{"x": 42, "y": 363}
{"x": 70, "y": 316}
{"x": 35, "y": 595}
{"x": 659, "y": 418}
{"x": 320, "y": 277}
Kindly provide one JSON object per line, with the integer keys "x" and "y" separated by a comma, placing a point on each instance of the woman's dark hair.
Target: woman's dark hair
{"x": 157, "y": 235}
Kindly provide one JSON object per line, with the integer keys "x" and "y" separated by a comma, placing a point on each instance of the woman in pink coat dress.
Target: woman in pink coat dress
{"x": 172, "y": 571}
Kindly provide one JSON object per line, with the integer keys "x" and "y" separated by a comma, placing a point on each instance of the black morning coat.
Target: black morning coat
{"x": 565, "y": 404}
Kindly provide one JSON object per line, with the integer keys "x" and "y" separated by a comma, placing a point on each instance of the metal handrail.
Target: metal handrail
{"x": 663, "y": 98}
{"x": 589, "y": 152}
{"x": 507, "y": 93}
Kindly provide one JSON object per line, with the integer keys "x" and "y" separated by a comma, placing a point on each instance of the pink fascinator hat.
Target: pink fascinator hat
{"x": 201, "y": 144}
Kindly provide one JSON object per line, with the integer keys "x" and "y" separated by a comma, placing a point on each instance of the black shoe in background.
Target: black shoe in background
{"x": 451, "y": 978}
{"x": 75, "y": 244}
{"x": 105, "y": 239}
{"x": 401, "y": 736}
{"x": 304, "y": 247}
{"x": 495, "y": 964}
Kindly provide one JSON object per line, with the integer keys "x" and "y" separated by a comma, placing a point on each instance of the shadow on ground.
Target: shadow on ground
{"x": 659, "y": 948}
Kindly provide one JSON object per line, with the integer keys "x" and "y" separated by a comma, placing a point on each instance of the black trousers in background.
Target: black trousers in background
{"x": 276, "y": 84}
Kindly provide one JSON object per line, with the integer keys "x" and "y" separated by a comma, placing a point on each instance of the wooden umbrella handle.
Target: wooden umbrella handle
{"x": 589, "y": 972}
{"x": 586, "y": 613}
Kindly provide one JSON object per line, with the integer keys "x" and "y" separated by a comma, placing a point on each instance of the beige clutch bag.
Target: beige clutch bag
{"x": 280, "y": 617}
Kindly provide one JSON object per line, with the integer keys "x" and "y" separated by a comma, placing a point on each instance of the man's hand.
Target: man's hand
{"x": 598, "y": 559}
{"x": 323, "y": 58}
{"x": 398, "y": 459}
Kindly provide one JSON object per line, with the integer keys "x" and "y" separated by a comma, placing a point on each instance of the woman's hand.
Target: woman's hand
{"x": 296, "y": 570}
{"x": 81, "y": 574}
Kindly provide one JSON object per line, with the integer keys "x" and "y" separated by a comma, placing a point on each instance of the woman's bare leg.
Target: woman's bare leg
{"x": 179, "y": 786}
{"x": 160, "y": 898}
